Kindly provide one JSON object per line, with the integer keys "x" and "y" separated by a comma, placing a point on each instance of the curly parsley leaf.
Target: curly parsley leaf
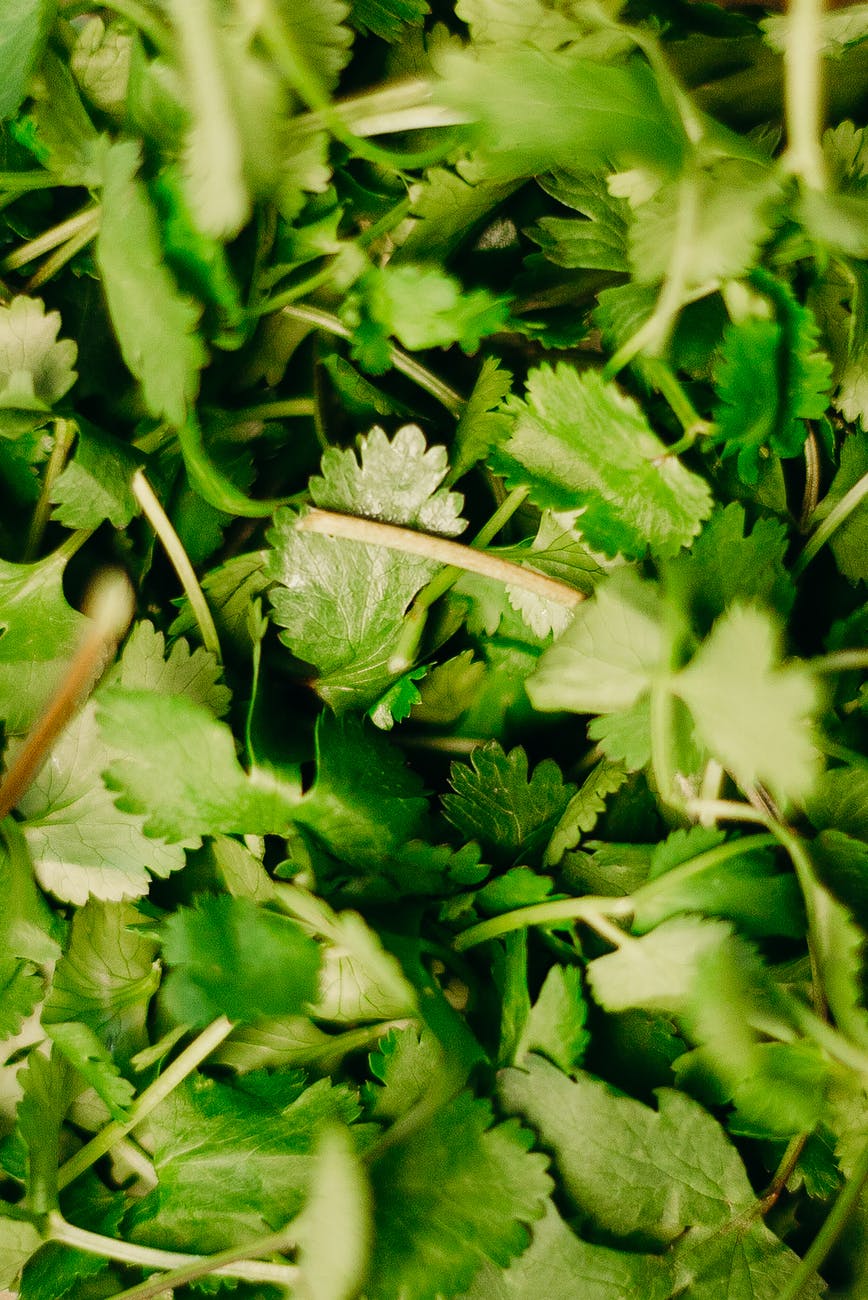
{"x": 343, "y": 603}
{"x": 452, "y": 1195}
{"x": 496, "y": 803}
{"x": 226, "y": 956}
{"x": 748, "y": 708}
{"x": 36, "y": 368}
{"x": 154, "y": 322}
{"x": 579, "y": 442}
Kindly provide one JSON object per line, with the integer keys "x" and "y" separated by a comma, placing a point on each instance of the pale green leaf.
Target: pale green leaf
{"x": 358, "y": 979}
{"x": 36, "y": 369}
{"x": 19, "y": 1240}
{"x": 145, "y": 666}
{"x": 406, "y": 1064}
{"x": 24, "y": 28}
{"x": 86, "y": 1054}
{"x": 752, "y": 712}
{"x": 658, "y": 971}
{"x": 849, "y": 542}
{"x": 155, "y": 323}
{"x": 333, "y": 1264}
{"x": 581, "y": 444}
{"x": 481, "y": 425}
{"x": 100, "y": 61}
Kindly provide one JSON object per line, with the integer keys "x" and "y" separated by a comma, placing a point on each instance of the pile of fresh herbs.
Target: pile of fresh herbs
{"x": 434, "y": 532}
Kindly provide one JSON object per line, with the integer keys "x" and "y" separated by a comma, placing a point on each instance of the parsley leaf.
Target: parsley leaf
{"x": 633, "y": 496}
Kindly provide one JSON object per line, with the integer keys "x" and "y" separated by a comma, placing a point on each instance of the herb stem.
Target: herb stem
{"x": 162, "y": 526}
{"x": 701, "y": 863}
{"x": 65, "y": 253}
{"x": 439, "y": 549}
{"x": 85, "y": 220}
{"x": 660, "y": 375}
{"x": 403, "y": 363}
{"x": 803, "y": 91}
{"x": 840, "y": 661}
{"x": 592, "y": 911}
{"x": 725, "y": 810}
{"x": 838, "y": 515}
{"x": 834, "y": 1224}
{"x": 289, "y": 408}
{"x": 237, "y": 1262}
{"x": 64, "y": 432}
{"x": 174, "y": 1074}
{"x": 15, "y": 183}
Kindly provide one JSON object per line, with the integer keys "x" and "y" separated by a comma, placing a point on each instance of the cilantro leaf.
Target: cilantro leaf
{"x": 578, "y": 441}
{"x": 749, "y": 709}
{"x": 581, "y": 813}
{"x": 19, "y": 1240}
{"x": 481, "y": 426}
{"x": 604, "y": 661}
{"x": 555, "y": 1027}
{"x": 598, "y": 242}
{"x": 455, "y": 1193}
{"x": 338, "y": 1193}
{"x": 174, "y": 765}
{"x": 343, "y": 603}
{"x": 387, "y": 18}
{"x": 96, "y": 484}
{"x": 495, "y": 802}
{"x": 422, "y": 307}
{"x": 154, "y": 322}
{"x": 145, "y": 666}
{"x": 36, "y": 369}
{"x": 85, "y": 1053}
{"x": 100, "y": 61}
{"x": 359, "y": 980}
{"x": 230, "y": 590}
{"x": 448, "y": 690}
{"x": 24, "y": 28}
{"x": 519, "y": 22}
{"x": 39, "y": 633}
{"x": 227, "y": 956}
{"x": 234, "y": 1164}
{"x": 106, "y": 976}
{"x": 763, "y": 360}
{"x": 405, "y": 1063}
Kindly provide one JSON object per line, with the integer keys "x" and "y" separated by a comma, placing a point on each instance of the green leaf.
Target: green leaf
{"x": 407, "y": 1062}
{"x": 106, "y": 977}
{"x": 213, "y": 159}
{"x": 100, "y": 61}
{"x": 24, "y": 28}
{"x": 227, "y": 956}
{"x": 154, "y": 322}
{"x": 582, "y": 812}
{"x": 398, "y": 701}
{"x": 600, "y": 241}
{"x": 36, "y": 369}
{"x": 28, "y": 927}
{"x": 840, "y": 801}
{"x": 85, "y": 1053}
{"x": 736, "y": 203}
{"x": 48, "y": 1093}
{"x": 19, "y": 1240}
{"x": 481, "y": 426}
{"x": 422, "y": 307}
{"x": 21, "y": 988}
{"x": 452, "y": 1195}
{"x": 40, "y": 634}
{"x": 234, "y": 1164}
{"x": 556, "y": 1026}
{"x": 850, "y": 540}
{"x": 333, "y": 1265}
{"x": 359, "y": 980}
{"x": 771, "y": 377}
{"x": 230, "y": 590}
{"x": 748, "y": 709}
{"x": 448, "y": 690}
{"x": 520, "y": 22}
{"x": 58, "y": 129}
{"x": 343, "y": 603}
{"x": 604, "y": 661}
{"x": 578, "y": 442}
{"x": 174, "y": 765}
{"x": 448, "y": 206}
{"x": 628, "y": 1169}
{"x": 83, "y": 846}
{"x": 145, "y": 666}
{"x": 726, "y": 564}
{"x": 388, "y": 18}
{"x": 656, "y": 972}
{"x": 319, "y": 28}
{"x": 96, "y": 484}
{"x": 495, "y": 802}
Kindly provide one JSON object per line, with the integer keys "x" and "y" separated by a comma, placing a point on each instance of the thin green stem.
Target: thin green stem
{"x": 803, "y": 92}
{"x": 840, "y": 661}
{"x": 405, "y": 364}
{"x": 725, "y": 810}
{"x": 439, "y": 549}
{"x": 59, "y": 258}
{"x": 660, "y": 375}
{"x": 592, "y": 911}
{"x": 239, "y": 1262}
{"x": 14, "y": 183}
{"x": 173, "y": 1075}
{"x": 388, "y": 221}
{"x": 662, "y": 741}
{"x": 289, "y": 408}
{"x": 162, "y": 526}
{"x": 64, "y": 432}
{"x": 703, "y": 862}
{"x": 72, "y": 544}
{"x": 838, "y": 515}
{"x": 86, "y": 219}
{"x": 139, "y": 15}
{"x": 835, "y": 1222}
